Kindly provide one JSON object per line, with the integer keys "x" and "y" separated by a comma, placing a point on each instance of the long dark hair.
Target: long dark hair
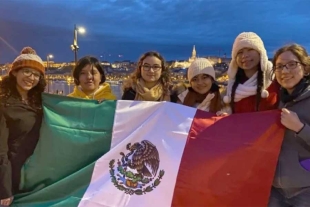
{"x": 165, "y": 73}
{"x": 216, "y": 103}
{"x": 8, "y": 89}
{"x": 241, "y": 76}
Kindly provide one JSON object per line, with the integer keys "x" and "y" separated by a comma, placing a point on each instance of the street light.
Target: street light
{"x": 75, "y": 46}
{"x": 48, "y": 57}
{"x": 81, "y": 30}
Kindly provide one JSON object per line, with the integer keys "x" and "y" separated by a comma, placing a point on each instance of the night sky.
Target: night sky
{"x": 132, "y": 27}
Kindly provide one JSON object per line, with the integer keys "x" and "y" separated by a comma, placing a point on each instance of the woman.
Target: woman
{"x": 291, "y": 186}
{"x": 21, "y": 110}
{"x": 150, "y": 81}
{"x": 203, "y": 92}
{"x": 89, "y": 79}
{"x": 249, "y": 87}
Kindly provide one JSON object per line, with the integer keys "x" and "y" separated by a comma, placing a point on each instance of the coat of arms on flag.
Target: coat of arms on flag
{"x": 136, "y": 171}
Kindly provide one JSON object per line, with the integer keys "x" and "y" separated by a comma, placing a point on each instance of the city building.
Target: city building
{"x": 184, "y": 63}
{"x": 191, "y": 59}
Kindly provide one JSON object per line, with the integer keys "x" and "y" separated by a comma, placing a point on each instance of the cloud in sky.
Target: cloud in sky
{"x": 130, "y": 27}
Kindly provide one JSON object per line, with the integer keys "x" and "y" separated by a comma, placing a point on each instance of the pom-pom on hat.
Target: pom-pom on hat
{"x": 28, "y": 59}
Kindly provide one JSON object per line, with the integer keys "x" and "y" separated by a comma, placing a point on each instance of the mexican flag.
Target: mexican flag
{"x": 126, "y": 153}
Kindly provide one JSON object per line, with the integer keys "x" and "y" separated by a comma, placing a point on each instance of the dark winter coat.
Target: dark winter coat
{"x": 295, "y": 148}
{"x": 19, "y": 134}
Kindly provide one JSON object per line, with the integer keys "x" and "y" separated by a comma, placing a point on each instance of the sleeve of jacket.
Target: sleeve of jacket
{"x": 129, "y": 94}
{"x": 5, "y": 165}
{"x": 305, "y": 134}
{"x": 176, "y": 90}
{"x": 226, "y": 109}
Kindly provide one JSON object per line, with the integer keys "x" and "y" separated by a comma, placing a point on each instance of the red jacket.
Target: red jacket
{"x": 248, "y": 104}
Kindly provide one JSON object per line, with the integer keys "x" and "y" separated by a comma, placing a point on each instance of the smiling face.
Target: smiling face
{"x": 201, "y": 83}
{"x": 26, "y": 79}
{"x": 151, "y": 69}
{"x": 289, "y": 70}
{"x": 89, "y": 79}
{"x": 248, "y": 58}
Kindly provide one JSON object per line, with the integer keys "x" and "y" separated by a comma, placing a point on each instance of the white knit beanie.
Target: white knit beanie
{"x": 200, "y": 66}
{"x": 248, "y": 40}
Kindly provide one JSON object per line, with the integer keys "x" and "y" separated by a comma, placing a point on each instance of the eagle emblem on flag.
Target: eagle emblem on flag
{"x": 137, "y": 171}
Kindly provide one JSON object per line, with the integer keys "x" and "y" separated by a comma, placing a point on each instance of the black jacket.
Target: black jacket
{"x": 5, "y": 165}
{"x": 130, "y": 94}
{"x": 19, "y": 136}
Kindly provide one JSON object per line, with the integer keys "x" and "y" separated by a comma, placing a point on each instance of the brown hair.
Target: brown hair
{"x": 8, "y": 88}
{"x": 165, "y": 73}
{"x": 299, "y": 51}
{"x": 217, "y": 102}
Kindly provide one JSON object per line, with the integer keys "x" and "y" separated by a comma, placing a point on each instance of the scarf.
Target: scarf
{"x": 194, "y": 99}
{"x": 248, "y": 88}
{"x": 103, "y": 92}
{"x": 156, "y": 93}
{"x": 299, "y": 89}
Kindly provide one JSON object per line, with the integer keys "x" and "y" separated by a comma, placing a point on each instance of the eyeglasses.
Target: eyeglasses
{"x": 289, "y": 66}
{"x": 148, "y": 67}
{"x": 28, "y": 73}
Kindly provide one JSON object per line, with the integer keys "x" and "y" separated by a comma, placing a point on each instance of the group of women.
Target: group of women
{"x": 255, "y": 84}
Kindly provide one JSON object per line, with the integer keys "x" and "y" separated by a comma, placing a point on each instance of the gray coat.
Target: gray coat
{"x": 295, "y": 147}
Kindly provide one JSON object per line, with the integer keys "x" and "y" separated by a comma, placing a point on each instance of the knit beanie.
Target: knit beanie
{"x": 28, "y": 59}
{"x": 200, "y": 66}
{"x": 248, "y": 40}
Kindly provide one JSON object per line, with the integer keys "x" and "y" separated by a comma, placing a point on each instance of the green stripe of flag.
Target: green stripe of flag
{"x": 72, "y": 129}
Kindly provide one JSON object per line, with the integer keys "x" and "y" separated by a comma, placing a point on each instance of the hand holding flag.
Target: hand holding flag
{"x": 6, "y": 201}
{"x": 290, "y": 120}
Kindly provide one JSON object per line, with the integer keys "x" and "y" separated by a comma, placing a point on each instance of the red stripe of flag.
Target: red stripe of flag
{"x": 229, "y": 161}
